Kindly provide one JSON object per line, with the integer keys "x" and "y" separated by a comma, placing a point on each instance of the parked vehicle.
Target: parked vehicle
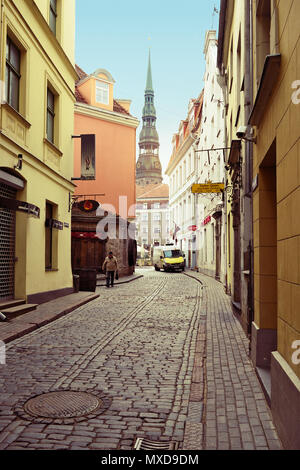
{"x": 168, "y": 258}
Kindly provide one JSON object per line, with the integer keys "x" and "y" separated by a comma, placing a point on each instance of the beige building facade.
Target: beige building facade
{"x": 276, "y": 201}
{"x": 36, "y": 164}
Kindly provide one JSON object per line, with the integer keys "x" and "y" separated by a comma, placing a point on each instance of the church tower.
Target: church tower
{"x": 148, "y": 167}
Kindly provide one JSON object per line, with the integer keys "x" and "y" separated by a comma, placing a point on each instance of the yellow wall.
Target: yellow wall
{"x": 47, "y": 168}
{"x": 235, "y": 20}
{"x": 281, "y": 121}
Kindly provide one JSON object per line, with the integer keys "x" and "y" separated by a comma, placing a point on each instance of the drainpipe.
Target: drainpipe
{"x": 1, "y": 57}
{"x": 249, "y": 151}
{"x": 222, "y": 81}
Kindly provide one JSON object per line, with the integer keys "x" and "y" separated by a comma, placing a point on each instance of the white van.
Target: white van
{"x": 168, "y": 258}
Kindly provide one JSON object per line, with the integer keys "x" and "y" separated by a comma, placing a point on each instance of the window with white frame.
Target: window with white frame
{"x": 102, "y": 92}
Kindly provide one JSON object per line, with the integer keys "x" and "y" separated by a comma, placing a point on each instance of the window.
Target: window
{"x": 50, "y": 115}
{"x": 12, "y": 80}
{"x": 145, "y": 205}
{"x": 156, "y": 205}
{"x": 102, "y": 92}
{"x": 144, "y": 216}
{"x": 53, "y": 16}
{"x": 156, "y": 217}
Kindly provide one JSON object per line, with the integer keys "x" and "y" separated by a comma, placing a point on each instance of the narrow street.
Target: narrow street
{"x": 164, "y": 354}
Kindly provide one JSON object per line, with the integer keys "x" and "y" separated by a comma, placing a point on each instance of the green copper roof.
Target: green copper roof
{"x": 149, "y": 86}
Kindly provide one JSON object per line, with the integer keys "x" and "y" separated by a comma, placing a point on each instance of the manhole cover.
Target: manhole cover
{"x": 63, "y": 406}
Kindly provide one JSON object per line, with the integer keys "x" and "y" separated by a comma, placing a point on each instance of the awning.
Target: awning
{"x": 21, "y": 206}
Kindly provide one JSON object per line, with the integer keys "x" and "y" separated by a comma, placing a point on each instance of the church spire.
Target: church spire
{"x": 149, "y": 86}
{"x": 148, "y": 166}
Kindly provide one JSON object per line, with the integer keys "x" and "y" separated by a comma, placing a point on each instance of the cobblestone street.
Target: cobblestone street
{"x": 166, "y": 354}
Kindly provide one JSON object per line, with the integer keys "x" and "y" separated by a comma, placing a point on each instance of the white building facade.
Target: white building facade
{"x": 181, "y": 171}
{"x": 211, "y": 219}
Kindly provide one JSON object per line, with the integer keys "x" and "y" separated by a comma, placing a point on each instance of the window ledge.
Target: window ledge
{"x": 53, "y": 147}
{"x": 49, "y": 270}
{"x": 16, "y": 114}
{"x": 267, "y": 83}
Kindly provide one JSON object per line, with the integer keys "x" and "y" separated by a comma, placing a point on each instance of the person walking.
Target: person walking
{"x": 110, "y": 267}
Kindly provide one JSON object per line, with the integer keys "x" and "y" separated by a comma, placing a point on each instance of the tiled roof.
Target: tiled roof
{"x": 80, "y": 99}
{"x": 80, "y": 72}
{"x": 149, "y": 191}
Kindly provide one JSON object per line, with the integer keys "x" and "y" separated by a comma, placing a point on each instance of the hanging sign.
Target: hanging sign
{"x": 208, "y": 188}
{"x": 20, "y": 206}
{"x": 88, "y": 205}
{"x": 88, "y": 171}
{"x": 207, "y": 220}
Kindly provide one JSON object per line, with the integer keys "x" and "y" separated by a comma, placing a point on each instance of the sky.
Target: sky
{"x": 117, "y": 35}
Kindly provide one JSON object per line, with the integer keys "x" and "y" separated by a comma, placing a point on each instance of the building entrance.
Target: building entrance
{"x": 7, "y": 245}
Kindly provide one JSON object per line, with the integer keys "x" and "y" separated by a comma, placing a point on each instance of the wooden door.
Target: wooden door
{"x": 87, "y": 253}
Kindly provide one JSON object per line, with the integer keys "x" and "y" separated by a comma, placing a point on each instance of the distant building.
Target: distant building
{"x": 148, "y": 167}
{"x": 211, "y": 218}
{"x": 104, "y": 168}
{"x": 182, "y": 173}
{"x": 152, "y": 215}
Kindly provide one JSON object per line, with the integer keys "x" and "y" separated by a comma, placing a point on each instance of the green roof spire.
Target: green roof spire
{"x": 149, "y": 86}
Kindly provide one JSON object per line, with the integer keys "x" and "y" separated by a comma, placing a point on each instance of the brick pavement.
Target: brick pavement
{"x": 232, "y": 412}
{"x": 167, "y": 353}
{"x": 135, "y": 344}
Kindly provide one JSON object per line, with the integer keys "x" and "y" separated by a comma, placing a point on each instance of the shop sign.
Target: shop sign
{"x": 207, "y": 220}
{"x": 20, "y": 206}
{"x": 88, "y": 205}
{"x": 208, "y": 188}
{"x": 88, "y": 171}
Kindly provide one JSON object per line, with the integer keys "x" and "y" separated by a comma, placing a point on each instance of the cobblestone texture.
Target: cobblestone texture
{"x": 235, "y": 413}
{"x": 167, "y": 353}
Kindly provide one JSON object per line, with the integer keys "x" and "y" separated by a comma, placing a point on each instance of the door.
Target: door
{"x": 7, "y": 245}
{"x": 218, "y": 248}
{"x": 87, "y": 253}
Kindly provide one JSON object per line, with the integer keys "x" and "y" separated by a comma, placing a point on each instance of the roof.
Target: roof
{"x": 117, "y": 107}
{"x": 152, "y": 191}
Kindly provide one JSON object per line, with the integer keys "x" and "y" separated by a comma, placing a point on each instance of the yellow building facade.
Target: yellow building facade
{"x": 276, "y": 201}
{"x": 233, "y": 64}
{"x": 36, "y": 147}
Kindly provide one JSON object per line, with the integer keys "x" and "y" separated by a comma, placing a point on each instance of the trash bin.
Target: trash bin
{"x": 87, "y": 279}
{"x": 76, "y": 279}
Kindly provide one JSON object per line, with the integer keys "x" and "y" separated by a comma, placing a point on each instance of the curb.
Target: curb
{"x": 123, "y": 282}
{"x": 193, "y": 277}
{"x": 30, "y": 327}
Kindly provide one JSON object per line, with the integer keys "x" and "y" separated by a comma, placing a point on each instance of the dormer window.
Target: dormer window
{"x": 102, "y": 92}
